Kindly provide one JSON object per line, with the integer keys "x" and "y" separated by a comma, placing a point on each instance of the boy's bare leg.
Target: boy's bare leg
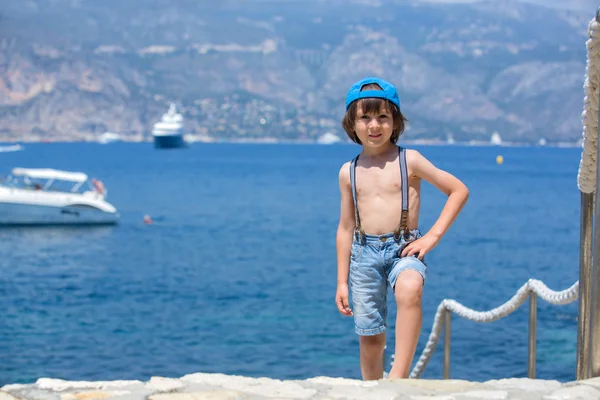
{"x": 408, "y": 292}
{"x": 371, "y": 356}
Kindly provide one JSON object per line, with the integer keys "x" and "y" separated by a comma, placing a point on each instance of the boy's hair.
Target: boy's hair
{"x": 373, "y": 106}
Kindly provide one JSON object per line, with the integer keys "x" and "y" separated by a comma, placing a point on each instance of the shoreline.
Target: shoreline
{"x": 311, "y": 142}
{"x": 204, "y": 386}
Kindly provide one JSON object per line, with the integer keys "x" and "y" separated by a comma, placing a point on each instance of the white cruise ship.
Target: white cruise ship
{"x": 168, "y": 132}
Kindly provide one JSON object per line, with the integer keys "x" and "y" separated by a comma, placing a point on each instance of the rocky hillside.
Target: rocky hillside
{"x": 279, "y": 69}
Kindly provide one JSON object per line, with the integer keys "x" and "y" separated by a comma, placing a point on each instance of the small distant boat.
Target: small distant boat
{"x": 11, "y": 148}
{"x": 168, "y": 132}
{"x": 328, "y": 138}
{"x": 542, "y": 142}
{"x": 109, "y": 137}
{"x": 43, "y": 197}
{"x": 495, "y": 139}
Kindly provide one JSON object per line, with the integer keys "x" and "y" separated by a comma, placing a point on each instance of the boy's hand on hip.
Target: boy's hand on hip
{"x": 420, "y": 247}
{"x": 341, "y": 300}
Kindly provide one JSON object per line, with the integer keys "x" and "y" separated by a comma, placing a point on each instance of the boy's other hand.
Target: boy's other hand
{"x": 420, "y": 247}
{"x": 341, "y": 300}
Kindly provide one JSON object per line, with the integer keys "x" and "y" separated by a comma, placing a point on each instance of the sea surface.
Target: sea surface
{"x": 237, "y": 274}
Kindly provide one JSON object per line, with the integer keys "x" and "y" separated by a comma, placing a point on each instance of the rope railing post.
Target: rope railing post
{"x": 585, "y": 269}
{"x": 594, "y": 309}
{"x": 594, "y": 329}
{"x": 532, "y": 335}
{"x": 447, "y": 319}
{"x": 588, "y": 325}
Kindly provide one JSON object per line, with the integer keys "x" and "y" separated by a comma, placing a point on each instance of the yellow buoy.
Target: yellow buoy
{"x": 499, "y": 160}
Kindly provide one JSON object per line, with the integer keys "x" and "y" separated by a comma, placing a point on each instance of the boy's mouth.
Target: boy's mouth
{"x": 374, "y": 135}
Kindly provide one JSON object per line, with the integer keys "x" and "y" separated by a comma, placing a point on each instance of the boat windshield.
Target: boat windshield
{"x": 50, "y": 185}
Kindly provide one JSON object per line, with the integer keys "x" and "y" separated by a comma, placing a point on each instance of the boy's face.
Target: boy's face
{"x": 374, "y": 129}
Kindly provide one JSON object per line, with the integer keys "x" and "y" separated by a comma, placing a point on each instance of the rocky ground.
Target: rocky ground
{"x": 202, "y": 386}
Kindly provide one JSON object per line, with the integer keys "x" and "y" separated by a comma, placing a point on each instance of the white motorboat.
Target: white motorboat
{"x": 52, "y": 197}
{"x": 328, "y": 138}
{"x": 168, "y": 132}
{"x": 109, "y": 137}
{"x": 11, "y": 148}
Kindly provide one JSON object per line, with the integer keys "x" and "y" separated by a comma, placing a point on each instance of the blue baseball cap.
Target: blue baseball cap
{"x": 388, "y": 91}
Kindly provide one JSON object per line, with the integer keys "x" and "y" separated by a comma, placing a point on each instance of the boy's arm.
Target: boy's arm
{"x": 344, "y": 240}
{"x": 457, "y": 197}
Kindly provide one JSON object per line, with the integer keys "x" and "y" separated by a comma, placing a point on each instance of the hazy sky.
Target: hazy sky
{"x": 590, "y": 5}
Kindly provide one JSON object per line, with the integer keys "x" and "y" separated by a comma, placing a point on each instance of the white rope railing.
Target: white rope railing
{"x": 532, "y": 286}
{"x": 586, "y": 177}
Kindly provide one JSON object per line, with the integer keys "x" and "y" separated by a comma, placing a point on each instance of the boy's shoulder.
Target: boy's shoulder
{"x": 344, "y": 174}
{"x": 412, "y": 152}
{"x": 345, "y": 168}
{"x": 418, "y": 164}
{"x": 413, "y": 156}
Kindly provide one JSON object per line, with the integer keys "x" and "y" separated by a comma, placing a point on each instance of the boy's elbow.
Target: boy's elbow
{"x": 465, "y": 193}
{"x": 345, "y": 228}
{"x": 460, "y": 191}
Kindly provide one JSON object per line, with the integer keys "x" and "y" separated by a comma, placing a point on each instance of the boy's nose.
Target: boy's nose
{"x": 373, "y": 123}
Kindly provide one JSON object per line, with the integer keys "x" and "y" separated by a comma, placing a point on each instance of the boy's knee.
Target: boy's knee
{"x": 408, "y": 292}
{"x": 372, "y": 343}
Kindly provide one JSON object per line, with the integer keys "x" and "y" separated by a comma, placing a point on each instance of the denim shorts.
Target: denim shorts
{"x": 375, "y": 263}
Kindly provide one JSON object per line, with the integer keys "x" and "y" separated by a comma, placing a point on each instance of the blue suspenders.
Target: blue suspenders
{"x": 358, "y": 230}
{"x": 404, "y": 179}
{"x": 403, "y": 226}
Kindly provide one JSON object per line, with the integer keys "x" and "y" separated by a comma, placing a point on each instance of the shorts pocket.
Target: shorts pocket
{"x": 356, "y": 252}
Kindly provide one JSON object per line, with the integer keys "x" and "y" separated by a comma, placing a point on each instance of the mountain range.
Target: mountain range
{"x": 279, "y": 69}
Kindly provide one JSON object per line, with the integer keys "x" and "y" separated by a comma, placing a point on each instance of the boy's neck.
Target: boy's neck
{"x": 378, "y": 152}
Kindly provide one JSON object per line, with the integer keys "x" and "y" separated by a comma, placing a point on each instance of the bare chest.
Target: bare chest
{"x": 378, "y": 182}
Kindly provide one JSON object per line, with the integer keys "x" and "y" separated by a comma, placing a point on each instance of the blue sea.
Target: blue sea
{"x": 237, "y": 275}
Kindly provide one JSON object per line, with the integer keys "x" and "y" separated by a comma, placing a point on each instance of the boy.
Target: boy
{"x": 381, "y": 244}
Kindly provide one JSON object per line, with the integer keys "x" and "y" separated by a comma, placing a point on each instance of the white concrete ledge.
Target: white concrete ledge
{"x": 223, "y": 387}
